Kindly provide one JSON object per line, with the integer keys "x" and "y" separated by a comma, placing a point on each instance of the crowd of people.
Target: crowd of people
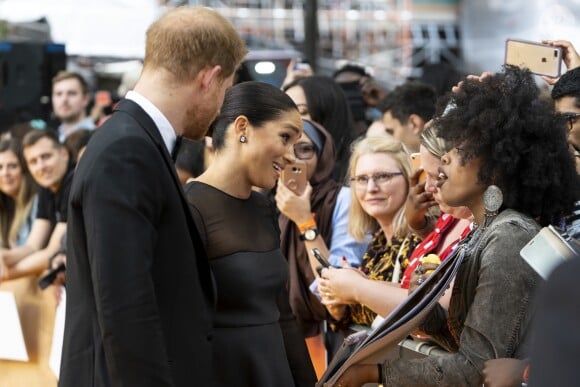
{"x": 189, "y": 260}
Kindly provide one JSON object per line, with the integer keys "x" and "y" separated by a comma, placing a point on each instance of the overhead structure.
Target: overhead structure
{"x": 393, "y": 37}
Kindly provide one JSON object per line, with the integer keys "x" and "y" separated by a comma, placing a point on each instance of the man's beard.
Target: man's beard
{"x": 197, "y": 123}
{"x": 72, "y": 118}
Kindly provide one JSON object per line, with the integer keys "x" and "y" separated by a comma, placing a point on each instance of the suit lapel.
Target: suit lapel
{"x": 145, "y": 121}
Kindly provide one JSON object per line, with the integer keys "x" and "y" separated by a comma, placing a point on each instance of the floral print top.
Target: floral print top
{"x": 379, "y": 265}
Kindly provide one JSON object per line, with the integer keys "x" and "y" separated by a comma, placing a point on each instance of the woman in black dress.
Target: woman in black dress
{"x": 256, "y": 342}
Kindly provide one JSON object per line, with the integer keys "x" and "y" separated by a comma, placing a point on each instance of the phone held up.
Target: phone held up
{"x": 539, "y": 58}
{"x": 302, "y": 64}
{"x": 294, "y": 177}
{"x": 416, "y": 163}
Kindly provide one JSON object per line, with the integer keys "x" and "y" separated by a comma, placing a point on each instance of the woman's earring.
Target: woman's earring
{"x": 243, "y": 138}
{"x": 492, "y": 200}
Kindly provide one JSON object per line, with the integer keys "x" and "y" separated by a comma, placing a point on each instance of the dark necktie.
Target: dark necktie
{"x": 175, "y": 150}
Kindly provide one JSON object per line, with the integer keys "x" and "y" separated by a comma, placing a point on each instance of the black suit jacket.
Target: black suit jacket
{"x": 140, "y": 294}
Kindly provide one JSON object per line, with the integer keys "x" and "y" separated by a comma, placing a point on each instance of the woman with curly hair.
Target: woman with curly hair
{"x": 511, "y": 167}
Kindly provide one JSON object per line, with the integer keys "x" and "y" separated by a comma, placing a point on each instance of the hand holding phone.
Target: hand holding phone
{"x": 302, "y": 65}
{"x": 295, "y": 177}
{"x": 103, "y": 98}
{"x": 539, "y": 58}
{"x": 323, "y": 261}
{"x": 49, "y": 278}
{"x": 570, "y": 57}
{"x": 416, "y": 163}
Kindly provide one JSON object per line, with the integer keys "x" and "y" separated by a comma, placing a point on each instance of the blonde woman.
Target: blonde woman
{"x": 18, "y": 202}
{"x": 379, "y": 172}
{"x": 17, "y": 195}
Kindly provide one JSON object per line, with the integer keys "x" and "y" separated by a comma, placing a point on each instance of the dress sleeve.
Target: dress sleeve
{"x": 296, "y": 351}
{"x": 197, "y": 217}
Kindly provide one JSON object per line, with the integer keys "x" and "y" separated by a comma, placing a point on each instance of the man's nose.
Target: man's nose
{"x": 39, "y": 165}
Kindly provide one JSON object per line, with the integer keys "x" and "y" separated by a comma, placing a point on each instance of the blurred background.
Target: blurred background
{"x": 393, "y": 39}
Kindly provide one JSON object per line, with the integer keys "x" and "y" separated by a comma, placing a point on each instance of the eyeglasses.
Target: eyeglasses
{"x": 304, "y": 151}
{"x": 381, "y": 178}
{"x": 571, "y": 118}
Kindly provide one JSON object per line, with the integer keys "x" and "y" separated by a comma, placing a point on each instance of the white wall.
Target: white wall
{"x": 90, "y": 27}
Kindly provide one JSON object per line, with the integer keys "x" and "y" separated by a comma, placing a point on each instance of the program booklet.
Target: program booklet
{"x": 370, "y": 347}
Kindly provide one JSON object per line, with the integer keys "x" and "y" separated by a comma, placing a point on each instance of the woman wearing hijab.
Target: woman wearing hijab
{"x": 316, "y": 219}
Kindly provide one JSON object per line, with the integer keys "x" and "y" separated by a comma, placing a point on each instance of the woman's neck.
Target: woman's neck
{"x": 227, "y": 177}
{"x": 388, "y": 228}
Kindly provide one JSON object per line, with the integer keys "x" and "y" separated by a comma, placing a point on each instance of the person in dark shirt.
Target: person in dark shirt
{"x": 49, "y": 164}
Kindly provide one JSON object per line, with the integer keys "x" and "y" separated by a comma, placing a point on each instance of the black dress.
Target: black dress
{"x": 256, "y": 341}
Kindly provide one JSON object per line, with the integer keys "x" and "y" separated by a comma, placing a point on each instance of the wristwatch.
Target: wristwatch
{"x": 310, "y": 234}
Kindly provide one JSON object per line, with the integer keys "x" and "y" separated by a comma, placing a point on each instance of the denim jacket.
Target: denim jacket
{"x": 490, "y": 312}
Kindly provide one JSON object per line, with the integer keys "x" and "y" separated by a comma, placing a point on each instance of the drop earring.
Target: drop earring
{"x": 243, "y": 138}
{"x": 492, "y": 201}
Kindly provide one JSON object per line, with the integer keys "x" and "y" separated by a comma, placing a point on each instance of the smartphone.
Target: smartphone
{"x": 323, "y": 261}
{"x": 416, "y": 163}
{"x": 539, "y": 58}
{"x": 49, "y": 278}
{"x": 295, "y": 177}
{"x": 302, "y": 64}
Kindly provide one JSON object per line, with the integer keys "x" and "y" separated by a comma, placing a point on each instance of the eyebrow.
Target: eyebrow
{"x": 294, "y": 128}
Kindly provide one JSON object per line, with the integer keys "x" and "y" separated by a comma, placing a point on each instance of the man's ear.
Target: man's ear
{"x": 209, "y": 75}
{"x": 416, "y": 123}
{"x": 64, "y": 152}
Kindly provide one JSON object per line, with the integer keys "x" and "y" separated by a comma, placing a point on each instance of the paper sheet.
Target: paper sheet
{"x": 57, "y": 335}
{"x": 12, "y": 346}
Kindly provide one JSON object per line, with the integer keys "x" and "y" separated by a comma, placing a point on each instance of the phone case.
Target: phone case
{"x": 541, "y": 59}
{"x": 548, "y": 249}
{"x": 323, "y": 261}
{"x": 416, "y": 163}
{"x": 295, "y": 177}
